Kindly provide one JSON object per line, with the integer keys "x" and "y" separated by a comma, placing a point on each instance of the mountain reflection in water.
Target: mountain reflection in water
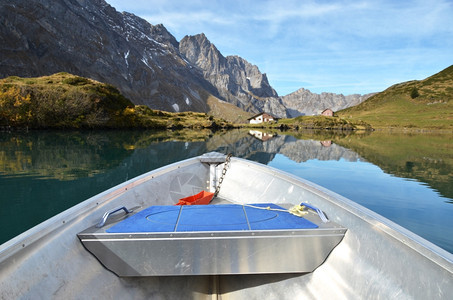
{"x": 43, "y": 173}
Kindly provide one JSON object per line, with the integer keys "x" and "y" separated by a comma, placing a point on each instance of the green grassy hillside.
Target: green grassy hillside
{"x": 227, "y": 111}
{"x": 426, "y": 104}
{"x": 322, "y": 122}
{"x": 66, "y": 101}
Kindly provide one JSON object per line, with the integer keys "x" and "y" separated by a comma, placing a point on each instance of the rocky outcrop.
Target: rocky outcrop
{"x": 304, "y": 102}
{"x": 91, "y": 39}
{"x": 237, "y": 81}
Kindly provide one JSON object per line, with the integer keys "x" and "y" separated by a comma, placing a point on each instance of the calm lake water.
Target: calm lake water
{"x": 407, "y": 178}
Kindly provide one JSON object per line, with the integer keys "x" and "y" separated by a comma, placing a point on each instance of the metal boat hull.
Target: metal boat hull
{"x": 376, "y": 259}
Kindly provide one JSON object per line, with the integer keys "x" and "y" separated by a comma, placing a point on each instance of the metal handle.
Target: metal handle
{"x": 318, "y": 211}
{"x": 108, "y": 213}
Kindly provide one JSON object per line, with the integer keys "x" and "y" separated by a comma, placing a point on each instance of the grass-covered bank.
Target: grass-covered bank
{"x": 409, "y": 106}
{"x": 63, "y": 101}
{"x": 315, "y": 123}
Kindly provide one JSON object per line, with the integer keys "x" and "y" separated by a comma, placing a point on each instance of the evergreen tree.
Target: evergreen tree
{"x": 414, "y": 93}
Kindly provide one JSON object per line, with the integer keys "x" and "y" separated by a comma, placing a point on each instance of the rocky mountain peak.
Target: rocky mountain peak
{"x": 162, "y": 35}
{"x": 238, "y": 81}
{"x": 304, "y": 102}
{"x": 202, "y": 53}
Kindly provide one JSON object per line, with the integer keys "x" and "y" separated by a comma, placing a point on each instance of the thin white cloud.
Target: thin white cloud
{"x": 335, "y": 45}
{"x": 281, "y": 11}
{"x": 178, "y": 21}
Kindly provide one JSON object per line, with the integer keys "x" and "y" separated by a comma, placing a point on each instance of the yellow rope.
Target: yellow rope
{"x": 297, "y": 210}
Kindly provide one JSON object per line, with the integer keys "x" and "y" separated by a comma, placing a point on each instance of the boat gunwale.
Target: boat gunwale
{"x": 216, "y": 234}
{"x": 88, "y": 207}
{"x": 404, "y": 236}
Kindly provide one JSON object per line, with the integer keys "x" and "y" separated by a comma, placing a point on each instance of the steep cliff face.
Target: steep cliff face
{"x": 236, "y": 80}
{"x": 304, "y": 102}
{"x": 145, "y": 62}
{"x": 91, "y": 39}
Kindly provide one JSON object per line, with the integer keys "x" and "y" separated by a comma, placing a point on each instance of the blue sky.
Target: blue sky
{"x": 325, "y": 46}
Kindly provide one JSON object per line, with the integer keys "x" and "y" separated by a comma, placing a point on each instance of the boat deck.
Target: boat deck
{"x": 220, "y": 238}
{"x": 211, "y": 218}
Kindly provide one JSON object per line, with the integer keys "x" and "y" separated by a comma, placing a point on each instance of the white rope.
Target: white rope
{"x": 297, "y": 210}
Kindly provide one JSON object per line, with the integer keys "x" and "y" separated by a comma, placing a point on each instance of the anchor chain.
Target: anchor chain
{"x": 225, "y": 167}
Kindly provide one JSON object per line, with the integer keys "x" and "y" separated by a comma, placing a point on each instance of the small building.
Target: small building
{"x": 261, "y": 118}
{"x": 326, "y": 143}
{"x": 327, "y": 112}
{"x": 262, "y": 136}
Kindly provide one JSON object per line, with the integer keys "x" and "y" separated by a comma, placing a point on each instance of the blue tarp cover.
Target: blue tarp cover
{"x": 227, "y": 217}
